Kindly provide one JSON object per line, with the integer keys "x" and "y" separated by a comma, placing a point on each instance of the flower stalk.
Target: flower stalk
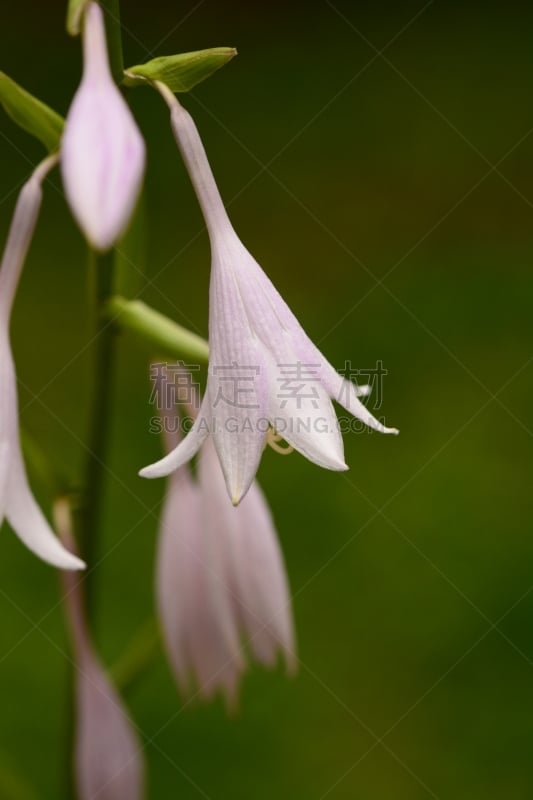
{"x": 104, "y": 334}
{"x": 155, "y": 328}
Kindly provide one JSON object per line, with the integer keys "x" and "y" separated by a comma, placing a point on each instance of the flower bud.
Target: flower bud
{"x": 103, "y": 153}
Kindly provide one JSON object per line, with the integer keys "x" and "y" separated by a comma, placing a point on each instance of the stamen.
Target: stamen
{"x": 274, "y": 438}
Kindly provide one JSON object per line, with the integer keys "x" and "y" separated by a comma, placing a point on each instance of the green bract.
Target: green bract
{"x": 74, "y": 16}
{"x": 30, "y": 113}
{"x": 183, "y": 71}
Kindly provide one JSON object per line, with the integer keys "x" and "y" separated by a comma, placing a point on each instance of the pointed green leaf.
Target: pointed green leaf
{"x": 30, "y": 113}
{"x": 74, "y": 16}
{"x": 183, "y": 71}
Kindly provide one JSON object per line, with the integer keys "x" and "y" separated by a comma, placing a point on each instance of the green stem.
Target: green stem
{"x": 90, "y": 515}
{"x": 111, "y": 9}
{"x": 89, "y": 510}
{"x": 158, "y": 330}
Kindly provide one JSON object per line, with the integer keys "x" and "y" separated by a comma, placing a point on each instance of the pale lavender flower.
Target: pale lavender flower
{"x": 17, "y": 503}
{"x": 108, "y": 755}
{"x": 102, "y": 151}
{"x": 220, "y": 583}
{"x": 255, "y": 339}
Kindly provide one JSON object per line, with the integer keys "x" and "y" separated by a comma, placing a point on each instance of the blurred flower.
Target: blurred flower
{"x": 279, "y": 378}
{"x": 102, "y": 151}
{"x": 17, "y": 502}
{"x": 220, "y": 579}
{"x": 108, "y": 754}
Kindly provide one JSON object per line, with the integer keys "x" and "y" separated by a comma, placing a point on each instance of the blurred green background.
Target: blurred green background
{"x": 395, "y": 215}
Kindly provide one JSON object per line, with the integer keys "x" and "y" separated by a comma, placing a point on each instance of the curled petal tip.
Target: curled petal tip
{"x": 75, "y": 564}
{"x": 147, "y": 472}
{"x": 64, "y": 560}
{"x": 159, "y": 469}
{"x": 183, "y": 452}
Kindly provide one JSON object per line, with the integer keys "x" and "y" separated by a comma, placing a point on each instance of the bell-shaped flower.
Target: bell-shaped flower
{"x": 102, "y": 150}
{"x": 17, "y": 503}
{"x": 221, "y": 583}
{"x": 108, "y": 755}
{"x": 264, "y": 371}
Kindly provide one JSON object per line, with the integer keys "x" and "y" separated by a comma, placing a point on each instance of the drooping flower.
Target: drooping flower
{"x": 108, "y": 755}
{"x": 220, "y": 582}
{"x": 264, "y": 371}
{"x": 102, "y": 150}
{"x": 17, "y": 503}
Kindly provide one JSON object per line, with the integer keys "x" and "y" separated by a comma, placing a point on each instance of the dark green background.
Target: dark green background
{"x": 384, "y": 223}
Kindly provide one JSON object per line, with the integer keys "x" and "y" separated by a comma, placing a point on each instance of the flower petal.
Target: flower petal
{"x": 273, "y": 318}
{"x": 197, "y": 619}
{"x": 300, "y": 409}
{"x": 237, "y": 386}
{"x": 185, "y": 450}
{"x": 254, "y": 576}
{"x": 8, "y": 416}
{"x": 29, "y": 522}
{"x": 19, "y": 238}
{"x": 16, "y": 500}
{"x": 179, "y": 527}
{"x": 4, "y": 476}
{"x": 268, "y": 618}
{"x": 108, "y": 752}
{"x": 346, "y": 394}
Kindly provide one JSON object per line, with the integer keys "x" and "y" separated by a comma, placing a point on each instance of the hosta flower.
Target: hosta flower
{"x": 264, "y": 371}
{"x": 102, "y": 151}
{"x": 220, "y": 582}
{"x": 108, "y": 755}
{"x": 17, "y": 503}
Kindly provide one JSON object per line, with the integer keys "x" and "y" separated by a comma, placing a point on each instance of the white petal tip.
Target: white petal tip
{"x": 151, "y": 471}
{"x": 363, "y": 391}
{"x": 334, "y": 466}
{"x": 238, "y": 491}
{"x": 236, "y": 494}
{"x": 75, "y": 564}
{"x": 67, "y": 561}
